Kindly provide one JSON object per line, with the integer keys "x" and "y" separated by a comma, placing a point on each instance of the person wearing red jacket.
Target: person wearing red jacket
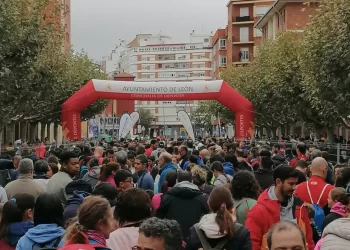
{"x": 278, "y": 204}
{"x": 301, "y": 154}
{"x": 315, "y": 190}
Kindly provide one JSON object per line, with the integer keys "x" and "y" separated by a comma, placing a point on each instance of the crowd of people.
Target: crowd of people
{"x": 173, "y": 195}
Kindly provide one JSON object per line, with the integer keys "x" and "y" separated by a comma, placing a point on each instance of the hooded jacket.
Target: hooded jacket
{"x": 184, "y": 203}
{"x": 228, "y": 167}
{"x": 92, "y": 176}
{"x": 220, "y": 181}
{"x": 240, "y": 241}
{"x": 278, "y": 160}
{"x": 41, "y": 235}
{"x": 336, "y": 236}
{"x": 166, "y": 168}
{"x": 267, "y": 212}
{"x": 73, "y": 204}
{"x": 16, "y": 231}
{"x": 337, "y": 211}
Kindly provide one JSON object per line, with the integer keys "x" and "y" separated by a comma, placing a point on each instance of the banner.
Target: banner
{"x": 124, "y": 126}
{"x": 134, "y": 117}
{"x": 93, "y": 128}
{"x": 186, "y": 122}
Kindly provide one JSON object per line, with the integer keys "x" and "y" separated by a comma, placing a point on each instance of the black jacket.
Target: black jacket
{"x": 264, "y": 178}
{"x": 184, "y": 203}
{"x": 238, "y": 242}
{"x": 330, "y": 218}
{"x": 278, "y": 160}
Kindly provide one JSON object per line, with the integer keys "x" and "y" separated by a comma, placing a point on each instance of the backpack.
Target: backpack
{"x": 42, "y": 246}
{"x": 319, "y": 213}
{"x": 219, "y": 246}
{"x": 241, "y": 217}
{"x": 5, "y": 177}
{"x": 91, "y": 177}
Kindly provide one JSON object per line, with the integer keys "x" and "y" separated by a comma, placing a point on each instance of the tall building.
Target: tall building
{"x": 156, "y": 58}
{"x": 286, "y": 15}
{"x": 219, "y": 54}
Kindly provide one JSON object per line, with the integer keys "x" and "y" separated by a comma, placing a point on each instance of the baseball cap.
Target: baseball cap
{"x": 161, "y": 144}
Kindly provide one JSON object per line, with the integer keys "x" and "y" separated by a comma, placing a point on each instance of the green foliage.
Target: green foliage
{"x": 36, "y": 77}
{"x": 146, "y": 117}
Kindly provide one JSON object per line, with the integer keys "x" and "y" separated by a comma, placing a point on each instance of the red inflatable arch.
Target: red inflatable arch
{"x": 126, "y": 90}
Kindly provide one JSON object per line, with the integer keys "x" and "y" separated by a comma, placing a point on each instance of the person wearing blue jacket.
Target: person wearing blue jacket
{"x": 48, "y": 228}
{"x": 145, "y": 180}
{"x": 166, "y": 166}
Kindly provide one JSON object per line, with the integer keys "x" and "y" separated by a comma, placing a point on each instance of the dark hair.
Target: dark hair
{"x": 153, "y": 141}
{"x": 41, "y": 167}
{"x": 244, "y": 185}
{"x": 343, "y": 178}
{"x": 215, "y": 158}
{"x": 277, "y": 146}
{"x": 170, "y": 181}
{"x": 106, "y": 190}
{"x": 239, "y": 152}
{"x": 131, "y": 155}
{"x": 284, "y": 172}
{"x": 143, "y": 159}
{"x": 133, "y": 205}
{"x": 266, "y": 162}
{"x": 265, "y": 152}
{"x": 283, "y": 226}
{"x": 154, "y": 172}
{"x": 168, "y": 230}
{"x": 217, "y": 166}
{"x": 140, "y": 150}
{"x": 52, "y": 159}
{"x": 192, "y": 159}
{"x": 301, "y": 147}
{"x": 48, "y": 210}
{"x": 302, "y": 164}
{"x": 150, "y": 193}
{"x": 121, "y": 176}
{"x": 184, "y": 176}
{"x": 53, "y": 167}
{"x": 109, "y": 151}
{"x": 91, "y": 211}
{"x": 13, "y": 212}
{"x": 325, "y": 155}
{"x": 93, "y": 162}
{"x": 220, "y": 202}
{"x": 66, "y": 156}
{"x": 107, "y": 170}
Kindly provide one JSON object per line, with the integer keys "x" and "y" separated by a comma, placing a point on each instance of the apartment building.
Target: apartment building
{"x": 219, "y": 54}
{"x": 286, "y": 15}
{"x": 156, "y": 58}
{"x": 242, "y": 36}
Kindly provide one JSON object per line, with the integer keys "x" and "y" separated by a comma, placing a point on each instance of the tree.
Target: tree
{"x": 146, "y": 117}
{"x": 326, "y": 63}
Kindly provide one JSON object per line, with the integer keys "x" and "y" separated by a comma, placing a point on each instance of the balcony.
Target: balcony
{"x": 242, "y": 20}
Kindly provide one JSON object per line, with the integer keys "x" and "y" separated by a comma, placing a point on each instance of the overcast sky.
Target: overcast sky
{"x": 97, "y": 25}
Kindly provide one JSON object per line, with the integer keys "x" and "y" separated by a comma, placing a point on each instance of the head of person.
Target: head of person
{"x": 285, "y": 179}
{"x": 338, "y": 195}
{"x": 141, "y": 163}
{"x": 107, "y": 191}
{"x": 123, "y": 179}
{"x": 98, "y": 152}
{"x": 204, "y": 154}
{"x": 16, "y": 160}
{"x": 53, "y": 169}
{"x": 301, "y": 148}
{"x": 122, "y": 157}
{"x": 131, "y": 157}
{"x": 217, "y": 168}
{"x": 26, "y": 167}
{"x": 301, "y": 166}
{"x": 159, "y": 234}
{"x": 48, "y": 210}
{"x": 18, "y": 209}
{"x": 183, "y": 150}
{"x": 315, "y": 153}
{"x": 133, "y": 205}
{"x": 108, "y": 170}
{"x": 343, "y": 178}
{"x": 276, "y": 148}
{"x": 244, "y": 185}
{"x": 286, "y": 235}
{"x": 184, "y": 176}
{"x": 337, "y": 169}
{"x": 93, "y": 163}
{"x": 174, "y": 159}
{"x": 154, "y": 144}
{"x": 242, "y": 144}
{"x": 170, "y": 181}
{"x": 253, "y": 153}
{"x": 215, "y": 158}
{"x": 220, "y": 202}
{"x": 266, "y": 162}
{"x": 41, "y": 167}
{"x": 94, "y": 214}
{"x": 199, "y": 176}
{"x": 110, "y": 155}
{"x": 239, "y": 153}
{"x": 164, "y": 158}
{"x": 140, "y": 150}
{"x": 319, "y": 167}
{"x": 70, "y": 163}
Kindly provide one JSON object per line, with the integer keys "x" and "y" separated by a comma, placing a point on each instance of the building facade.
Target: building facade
{"x": 242, "y": 36}
{"x": 156, "y": 58}
{"x": 286, "y": 15}
{"x": 219, "y": 54}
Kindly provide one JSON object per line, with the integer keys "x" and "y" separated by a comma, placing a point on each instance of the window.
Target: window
{"x": 222, "y": 61}
{"x": 244, "y": 11}
{"x": 244, "y": 34}
{"x": 244, "y": 55}
{"x": 258, "y": 32}
{"x": 206, "y": 40}
{"x": 222, "y": 43}
{"x": 192, "y": 47}
{"x": 261, "y": 10}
